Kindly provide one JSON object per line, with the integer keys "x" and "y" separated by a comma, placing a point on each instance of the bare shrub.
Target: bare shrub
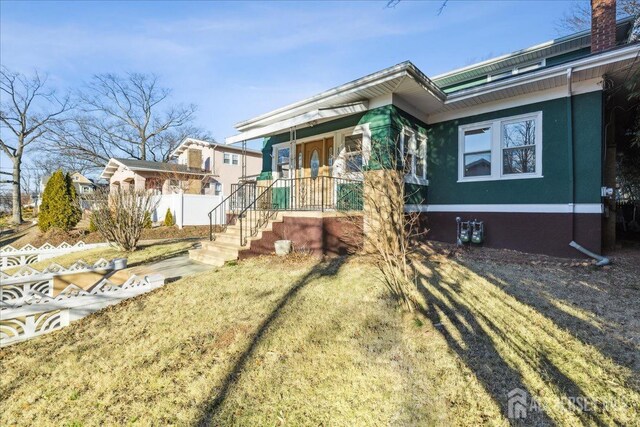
{"x": 119, "y": 215}
{"x": 387, "y": 234}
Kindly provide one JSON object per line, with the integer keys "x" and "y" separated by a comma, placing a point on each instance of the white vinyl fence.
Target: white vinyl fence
{"x": 187, "y": 209}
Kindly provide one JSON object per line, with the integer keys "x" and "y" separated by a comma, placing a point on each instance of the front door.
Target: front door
{"x": 315, "y": 187}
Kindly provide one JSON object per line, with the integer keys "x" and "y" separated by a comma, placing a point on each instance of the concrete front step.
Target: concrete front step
{"x": 206, "y": 257}
{"x": 226, "y": 245}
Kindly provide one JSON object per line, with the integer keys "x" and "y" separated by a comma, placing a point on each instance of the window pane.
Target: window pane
{"x": 353, "y": 143}
{"x": 354, "y": 162}
{"x": 283, "y": 156}
{"x": 420, "y": 163}
{"x": 519, "y": 160}
{"x": 519, "y": 134}
{"x": 314, "y": 163}
{"x": 478, "y": 164}
{"x": 477, "y": 140}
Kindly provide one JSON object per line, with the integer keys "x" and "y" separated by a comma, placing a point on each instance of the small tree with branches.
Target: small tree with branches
{"x": 121, "y": 215}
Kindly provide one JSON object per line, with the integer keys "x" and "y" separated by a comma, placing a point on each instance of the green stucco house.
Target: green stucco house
{"x": 517, "y": 142}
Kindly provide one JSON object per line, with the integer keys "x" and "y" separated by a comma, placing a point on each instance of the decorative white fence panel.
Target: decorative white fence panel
{"x": 28, "y": 307}
{"x": 12, "y": 257}
{"x": 187, "y": 209}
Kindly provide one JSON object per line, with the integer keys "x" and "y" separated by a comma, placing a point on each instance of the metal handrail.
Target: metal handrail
{"x": 255, "y": 222}
{"x": 223, "y": 213}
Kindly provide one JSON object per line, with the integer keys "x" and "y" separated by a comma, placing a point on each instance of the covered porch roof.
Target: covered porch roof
{"x": 350, "y": 98}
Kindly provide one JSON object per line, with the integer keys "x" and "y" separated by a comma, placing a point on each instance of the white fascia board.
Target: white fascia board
{"x": 590, "y": 208}
{"x": 345, "y": 89}
{"x": 287, "y": 124}
{"x": 110, "y": 169}
{"x": 333, "y": 95}
{"x": 616, "y": 55}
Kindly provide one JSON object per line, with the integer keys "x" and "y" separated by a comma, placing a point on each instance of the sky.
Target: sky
{"x": 236, "y": 60}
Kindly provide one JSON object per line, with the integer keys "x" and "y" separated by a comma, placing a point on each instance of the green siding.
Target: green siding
{"x": 588, "y": 137}
{"x": 554, "y": 187}
{"x": 386, "y": 124}
{"x": 569, "y": 56}
{"x": 465, "y": 84}
{"x": 377, "y": 118}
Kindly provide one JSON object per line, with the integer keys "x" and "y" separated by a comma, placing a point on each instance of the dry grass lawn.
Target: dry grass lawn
{"x": 303, "y": 342}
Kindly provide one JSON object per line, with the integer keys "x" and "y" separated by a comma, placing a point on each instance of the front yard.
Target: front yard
{"x": 319, "y": 343}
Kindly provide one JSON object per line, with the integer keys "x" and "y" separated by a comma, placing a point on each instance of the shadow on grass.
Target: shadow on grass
{"x": 571, "y": 306}
{"x": 218, "y": 396}
{"x": 508, "y": 344}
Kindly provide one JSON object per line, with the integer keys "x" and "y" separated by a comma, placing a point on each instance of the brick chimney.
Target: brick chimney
{"x": 603, "y": 25}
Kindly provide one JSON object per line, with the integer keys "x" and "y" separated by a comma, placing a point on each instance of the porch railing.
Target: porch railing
{"x": 323, "y": 193}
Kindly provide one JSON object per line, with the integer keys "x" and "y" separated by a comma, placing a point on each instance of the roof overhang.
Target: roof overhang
{"x": 409, "y": 86}
{"x": 309, "y": 118}
{"x": 115, "y": 164}
{"x": 188, "y": 142}
{"x": 110, "y": 169}
{"x": 346, "y": 99}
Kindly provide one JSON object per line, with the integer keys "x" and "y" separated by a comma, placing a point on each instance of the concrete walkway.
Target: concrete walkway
{"x": 172, "y": 269}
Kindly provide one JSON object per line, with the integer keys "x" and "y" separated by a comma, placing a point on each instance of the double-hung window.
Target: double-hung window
{"x": 414, "y": 156}
{"x": 353, "y": 153}
{"x": 234, "y": 159}
{"x": 226, "y": 158}
{"x": 506, "y": 148}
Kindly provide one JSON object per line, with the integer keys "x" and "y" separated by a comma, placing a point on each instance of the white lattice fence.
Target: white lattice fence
{"x": 39, "y": 313}
{"x": 27, "y": 281}
{"x": 12, "y": 257}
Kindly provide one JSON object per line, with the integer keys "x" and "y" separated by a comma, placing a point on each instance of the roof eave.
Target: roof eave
{"x": 618, "y": 54}
{"x": 404, "y": 68}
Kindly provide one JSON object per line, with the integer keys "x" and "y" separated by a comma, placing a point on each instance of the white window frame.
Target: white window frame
{"x": 274, "y": 158}
{"x": 421, "y": 142}
{"x": 235, "y": 159}
{"x": 496, "y": 126}
{"x": 217, "y": 188}
{"x": 339, "y": 151}
{"x": 226, "y": 158}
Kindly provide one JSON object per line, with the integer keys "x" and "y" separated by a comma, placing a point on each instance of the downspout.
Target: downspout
{"x": 572, "y": 192}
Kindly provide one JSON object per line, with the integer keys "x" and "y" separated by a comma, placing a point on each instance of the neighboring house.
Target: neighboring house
{"x": 516, "y": 142}
{"x": 84, "y": 186}
{"x": 197, "y": 167}
{"x": 222, "y": 163}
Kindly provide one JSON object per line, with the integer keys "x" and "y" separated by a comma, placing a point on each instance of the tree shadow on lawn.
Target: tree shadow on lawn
{"x": 218, "y": 395}
{"x": 508, "y": 344}
{"x": 593, "y": 311}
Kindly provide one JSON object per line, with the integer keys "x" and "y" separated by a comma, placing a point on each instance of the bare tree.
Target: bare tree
{"x": 28, "y": 108}
{"x": 124, "y": 116}
{"x": 579, "y": 17}
{"x": 119, "y": 215}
